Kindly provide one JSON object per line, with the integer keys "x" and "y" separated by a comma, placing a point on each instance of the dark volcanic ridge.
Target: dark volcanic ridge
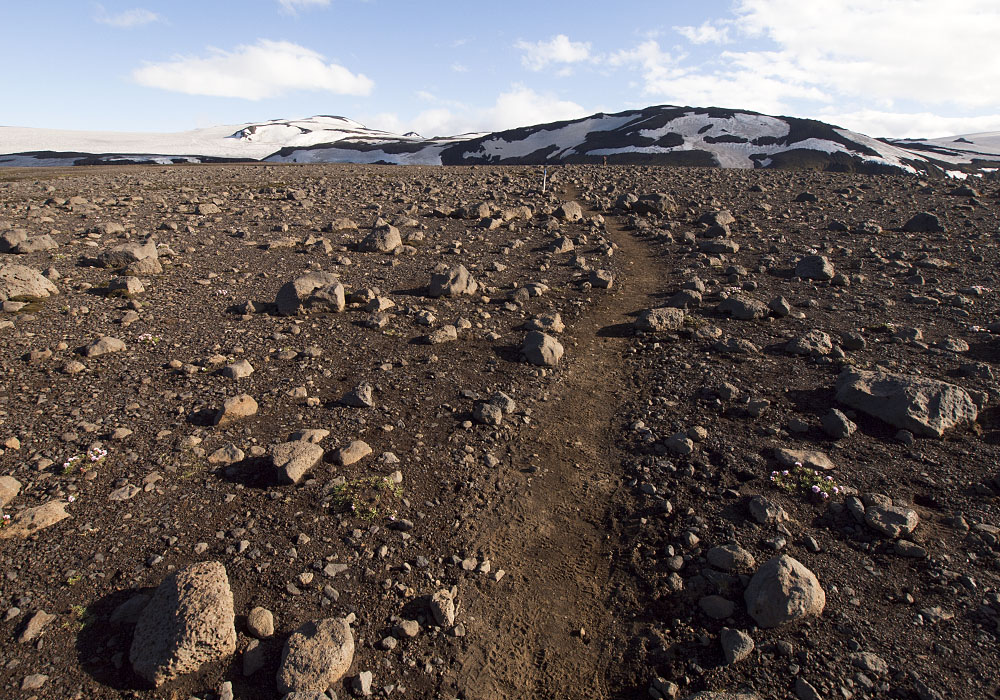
{"x": 659, "y": 135}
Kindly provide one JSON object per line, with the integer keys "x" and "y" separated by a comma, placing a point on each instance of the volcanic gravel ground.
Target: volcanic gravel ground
{"x": 578, "y": 537}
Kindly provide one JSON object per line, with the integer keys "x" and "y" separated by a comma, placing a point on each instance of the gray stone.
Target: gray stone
{"x": 34, "y": 626}
{"x": 569, "y": 211}
{"x": 812, "y": 459}
{"x": 293, "y": 460}
{"x": 31, "y": 520}
{"x": 361, "y": 396}
{"x": 9, "y": 488}
{"x": 814, "y": 267}
{"x": 730, "y": 557}
{"x": 316, "y": 655}
{"x": 384, "y": 239}
{"x": 127, "y": 253}
{"x": 188, "y": 623}
{"x": 923, "y": 406}
{"x": 442, "y": 606}
{"x": 354, "y": 452}
{"x": 241, "y": 369}
{"x": 814, "y": 343}
{"x": 892, "y": 521}
{"x": 837, "y": 425}
{"x": 766, "y": 512}
{"x": 783, "y": 590}
{"x": 717, "y": 607}
{"x": 541, "y": 349}
{"x": 236, "y": 408}
{"x": 923, "y": 222}
{"x": 743, "y": 308}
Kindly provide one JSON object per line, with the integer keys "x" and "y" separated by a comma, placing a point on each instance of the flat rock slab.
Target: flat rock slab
{"x": 316, "y": 655}
{"x": 812, "y": 459}
{"x": 236, "y": 408}
{"x": 292, "y": 460}
{"x": 188, "y": 623}
{"x": 28, "y": 522}
{"x": 923, "y": 406}
{"x": 354, "y": 452}
{"x": 103, "y": 346}
{"x": 661, "y": 319}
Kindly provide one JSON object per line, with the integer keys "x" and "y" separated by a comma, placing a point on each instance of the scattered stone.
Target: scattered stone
{"x": 442, "y": 606}
{"x": 32, "y": 520}
{"x": 661, "y": 319}
{"x": 241, "y": 369}
{"x": 452, "y": 282}
{"x": 814, "y": 267}
{"x": 837, "y": 425}
{"x": 260, "y": 623}
{"x": 320, "y": 290}
{"x": 34, "y": 626}
{"x": 811, "y": 459}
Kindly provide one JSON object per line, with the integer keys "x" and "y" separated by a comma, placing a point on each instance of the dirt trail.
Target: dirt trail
{"x": 525, "y": 633}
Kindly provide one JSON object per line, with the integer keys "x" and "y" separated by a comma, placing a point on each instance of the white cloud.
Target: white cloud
{"x": 253, "y": 72}
{"x": 707, "y": 33}
{"x": 459, "y": 67}
{"x": 865, "y": 57}
{"x": 941, "y": 53}
{"x": 558, "y": 49}
{"x": 909, "y": 125}
{"x": 293, "y": 6}
{"x": 518, "y": 106}
{"x": 126, "y": 20}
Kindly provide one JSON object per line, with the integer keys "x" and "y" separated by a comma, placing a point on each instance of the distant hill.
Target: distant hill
{"x": 660, "y": 135}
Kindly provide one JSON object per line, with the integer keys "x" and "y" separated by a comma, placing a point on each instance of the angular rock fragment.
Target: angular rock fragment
{"x": 127, "y": 253}
{"x": 29, "y": 521}
{"x": 783, "y": 590}
{"x": 103, "y": 346}
{"x": 814, "y": 267}
{"x": 923, "y": 406}
{"x": 384, "y": 239}
{"x": 569, "y": 211}
{"x": 354, "y": 452}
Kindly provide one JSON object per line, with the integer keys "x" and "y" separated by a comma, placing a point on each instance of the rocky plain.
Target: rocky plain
{"x": 328, "y": 431}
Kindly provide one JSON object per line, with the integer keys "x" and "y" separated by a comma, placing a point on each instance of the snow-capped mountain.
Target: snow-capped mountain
{"x": 661, "y": 135}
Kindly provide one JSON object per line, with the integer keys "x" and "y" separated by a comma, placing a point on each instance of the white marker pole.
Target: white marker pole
{"x": 545, "y": 175}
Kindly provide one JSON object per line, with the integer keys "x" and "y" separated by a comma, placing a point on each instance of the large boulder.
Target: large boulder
{"x": 569, "y": 211}
{"x": 656, "y": 203}
{"x": 783, "y": 590}
{"x": 316, "y": 655}
{"x": 452, "y": 282}
{"x": 922, "y": 406}
{"x": 923, "y": 222}
{"x": 188, "y": 623}
{"x": 661, "y": 319}
{"x": 23, "y": 281}
{"x": 127, "y": 253}
{"x": 321, "y": 290}
{"x": 814, "y": 267}
{"x": 743, "y": 308}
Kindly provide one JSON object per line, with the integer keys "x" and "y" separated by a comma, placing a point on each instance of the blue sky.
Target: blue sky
{"x": 883, "y": 67}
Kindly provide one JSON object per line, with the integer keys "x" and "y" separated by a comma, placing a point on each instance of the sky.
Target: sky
{"x": 903, "y": 68}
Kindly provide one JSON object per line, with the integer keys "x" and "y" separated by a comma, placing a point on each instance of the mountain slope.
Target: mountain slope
{"x": 660, "y": 135}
